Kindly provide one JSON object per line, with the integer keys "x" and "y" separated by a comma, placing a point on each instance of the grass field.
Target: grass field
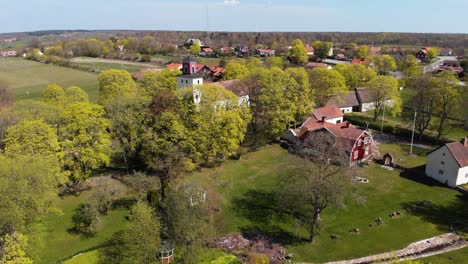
{"x": 28, "y": 78}
{"x": 245, "y": 185}
{"x": 60, "y": 242}
{"x": 454, "y": 257}
{"x": 102, "y": 66}
{"x": 91, "y": 257}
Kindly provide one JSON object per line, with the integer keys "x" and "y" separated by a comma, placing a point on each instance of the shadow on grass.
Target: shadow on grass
{"x": 263, "y": 209}
{"x": 418, "y": 174}
{"x": 449, "y": 217}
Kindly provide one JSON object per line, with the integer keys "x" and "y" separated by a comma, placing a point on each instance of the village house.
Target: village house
{"x": 445, "y": 52}
{"x": 364, "y": 62}
{"x": 8, "y": 40}
{"x": 309, "y": 50}
{"x": 265, "y": 52}
{"x": 312, "y": 65}
{"x": 355, "y": 144}
{"x": 238, "y": 88}
{"x": 359, "y": 100}
{"x": 375, "y": 50}
{"x": 340, "y": 56}
{"x": 192, "y": 41}
{"x": 226, "y": 50}
{"x": 334, "y": 62}
{"x": 422, "y": 54}
{"x": 448, "y": 164}
{"x": 241, "y": 51}
{"x": 206, "y": 51}
{"x": 8, "y": 53}
{"x": 217, "y": 73}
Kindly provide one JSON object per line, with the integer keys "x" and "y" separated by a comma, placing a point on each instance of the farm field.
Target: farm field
{"x": 28, "y": 78}
{"x": 246, "y": 189}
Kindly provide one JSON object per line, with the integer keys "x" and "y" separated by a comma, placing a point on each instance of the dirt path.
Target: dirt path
{"x": 421, "y": 249}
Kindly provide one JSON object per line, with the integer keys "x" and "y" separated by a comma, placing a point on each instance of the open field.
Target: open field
{"x": 98, "y": 65}
{"x": 28, "y": 78}
{"x": 91, "y": 257}
{"x": 246, "y": 188}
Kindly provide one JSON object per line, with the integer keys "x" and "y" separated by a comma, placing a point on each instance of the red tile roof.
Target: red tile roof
{"x": 360, "y": 61}
{"x": 309, "y": 49}
{"x": 460, "y": 152}
{"x": 315, "y": 64}
{"x": 265, "y": 50}
{"x": 329, "y": 112}
{"x": 199, "y": 67}
{"x": 374, "y": 50}
{"x": 340, "y": 56}
{"x": 207, "y": 50}
{"x": 174, "y": 66}
{"x": 217, "y": 71}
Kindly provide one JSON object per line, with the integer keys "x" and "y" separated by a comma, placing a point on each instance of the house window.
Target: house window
{"x": 198, "y": 81}
{"x": 367, "y": 151}
{"x": 181, "y": 81}
{"x": 359, "y": 143}
{"x": 186, "y": 81}
{"x": 442, "y": 162}
{"x": 466, "y": 175}
{"x": 441, "y": 172}
{"x": 443, "y": 154}
{"x": 356, "y": 154}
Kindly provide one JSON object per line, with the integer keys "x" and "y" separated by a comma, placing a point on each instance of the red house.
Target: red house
{"x": 353, "y": 143}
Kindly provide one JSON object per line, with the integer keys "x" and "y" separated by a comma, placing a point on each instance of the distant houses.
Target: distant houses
{"x": 8, "y": 53}
{"x": 265, "y": 52}
{"x": 8, "y": 40}
{"x": 422, "y": 54}
{"x": 445, "y": 52}
{"x": 448, "y": 164}
{"x": 355, "y": 144}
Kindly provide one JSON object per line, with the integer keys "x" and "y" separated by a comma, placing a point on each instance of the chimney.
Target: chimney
{"x": 323, "y": 119}
{"x": 464, "y": 141}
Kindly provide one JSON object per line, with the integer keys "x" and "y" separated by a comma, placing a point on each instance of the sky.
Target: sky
{"x": 447, "y": 16}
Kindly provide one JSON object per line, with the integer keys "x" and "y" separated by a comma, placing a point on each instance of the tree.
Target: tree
{"x": 75, "y": 94}
{"x": 446, "y": 100}
{"x": 85, "y": 140}
{"x": 297, "y": 53}
{"x": 384, "y": 89}
{"x": 235, "y": 71}
{"x": 86, "y": 218}
{"x": 422, "y": 101}
{"x": 316, "y": 183}
{"x": 13, "y": 248}
{"x": 383, "y": 64}
{"x": 432, "y": 53}
{"x": 141, "y": 240}
{"x": 326, "y": 83}
{"x": 322, "y": 49}
{"x": 195, "y": 48}
{"x": 32, "y": 138}
{"x": 114, "y": 84}
{"x": 53, "y": 94}
{"x": 356, "y": 75}
{"x": 410, "y": 66}
{"x": 274, "y": 61}
{"x": 166, "y": 79}
{"x": 28, "y": 190}
{"x": 362, "y": 52}
{"x": 298, "y": 93}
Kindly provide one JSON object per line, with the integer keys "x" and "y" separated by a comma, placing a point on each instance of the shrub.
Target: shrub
{"x": 86, "y": 219}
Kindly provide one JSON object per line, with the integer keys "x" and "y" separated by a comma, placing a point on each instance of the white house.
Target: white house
{"x": 448, "y": 164}
{"x": 330, "y": 114}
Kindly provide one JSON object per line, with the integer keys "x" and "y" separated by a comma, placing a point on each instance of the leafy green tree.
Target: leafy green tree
{"x": 28, "y": 190}
{"x": 114, "y": 84}
{"x": 195, "y": 49}
{"x": 447, "y": 92}
{"x": 362, "y": 52}
{"x": 75, "y": 94}
{"x": 383, "y": 90}
{"x": 322, "y": 49}
{"x": 410, "y": 67}
{"x": 85, "y": 219}
{"x": 13, "y": 249}
{"x": 54, "y": 51}
{"x": 235, "y": 71}
{"x": 298, "y": 93}
{"x": 274, "y": 61}
{"x": 383, "y": 64}
{"x": 254, "y": 63}
{"x": 84, "y": 138}
{"x": 356, "y": 75}
{"x": 141, "y": 239}
{"x": 432, "y": 53}
{"x": 166, "y": 79}
{"x": 298, "y": 53}
{"x": 53, "y": 94}
{"x": 327, "y": 83}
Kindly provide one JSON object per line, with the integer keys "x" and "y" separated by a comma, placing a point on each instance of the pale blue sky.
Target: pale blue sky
{"x": 238, "y": 15}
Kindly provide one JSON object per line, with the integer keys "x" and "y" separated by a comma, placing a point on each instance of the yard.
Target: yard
{"x": 28, "y": 78}
{"x": 246, "y": 187}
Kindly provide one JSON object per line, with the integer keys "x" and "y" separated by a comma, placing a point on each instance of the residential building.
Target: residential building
{"x": 365, "y": 62}
{"x": 353, "y": 143}
{"x": 310, "y": 50}
{"x": 375, "y": 50}
{"x": 266, "y": 52}
{"x": 238, "y": 88}
{"x": 359, "y": 100}
{"x": 241, "y": 51}
{"x": 206, "y": 51}
{"x": 334, "y": 62}
{"x": 8, "y": 53}
{"x": 445, "y": 52}
{"x": 192, "y": 41}
{"x": 448, "y": 164}
{"x": 217, "y": 72}
{"x": 227, "y": 50}
{"x": 422, "y": 54}
{"x": 174, "y": 66}
{"x": 312, "y": 65}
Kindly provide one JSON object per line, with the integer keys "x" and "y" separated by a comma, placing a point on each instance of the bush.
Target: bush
{"x": 259, "y": 259}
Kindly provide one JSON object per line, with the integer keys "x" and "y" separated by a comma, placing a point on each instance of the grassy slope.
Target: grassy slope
{"x": 61, "y": 243}
{"x": 249, "y": 180}
{"x": 29, "y": 76}
{"x": 91, "y": 257}
{"x": 454, "y": 257}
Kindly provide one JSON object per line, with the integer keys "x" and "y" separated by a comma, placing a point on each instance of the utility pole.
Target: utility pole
{"x": 412, "y": 136}
{"x": 383, "y": 113}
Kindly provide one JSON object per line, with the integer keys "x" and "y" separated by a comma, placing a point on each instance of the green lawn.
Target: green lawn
{"x": 454, "y": 257}
{"x": 28, "y": 78}
{"x": 91, "y": 257}
{"x": 102, "y": 66}
{"x": 245, "y": 189}
{"x": 60, "y": 242}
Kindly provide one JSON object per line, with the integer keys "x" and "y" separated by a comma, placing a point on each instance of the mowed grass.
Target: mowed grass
{"x": 102, "y": 66}
{"x": 91, "y": 257}
{"x": 59, "y": 239}
{"x": 28, "y": 78}
{"x": 245, "y": 189}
